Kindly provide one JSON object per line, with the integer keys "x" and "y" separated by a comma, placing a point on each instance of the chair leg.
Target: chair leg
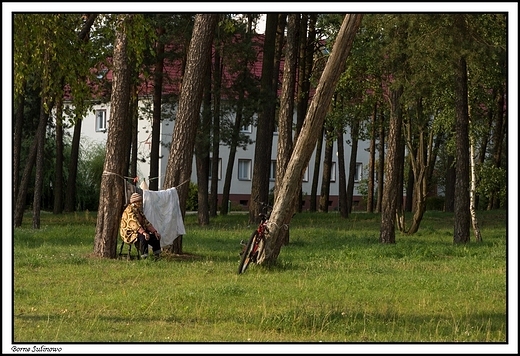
{"x": 136, "y": 244}
{"x": 121, "y": 249}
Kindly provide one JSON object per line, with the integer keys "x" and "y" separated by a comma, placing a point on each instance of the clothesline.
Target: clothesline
{"x": 135, "y": 179}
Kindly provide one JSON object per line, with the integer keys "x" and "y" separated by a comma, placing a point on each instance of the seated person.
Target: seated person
{"x": 136, "y": 227}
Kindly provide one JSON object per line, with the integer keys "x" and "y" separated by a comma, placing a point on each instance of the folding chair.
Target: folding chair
{"x": 129, "y": 254}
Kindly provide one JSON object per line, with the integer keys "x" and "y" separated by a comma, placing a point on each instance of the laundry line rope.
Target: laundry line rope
{"x": 135, "y": 179}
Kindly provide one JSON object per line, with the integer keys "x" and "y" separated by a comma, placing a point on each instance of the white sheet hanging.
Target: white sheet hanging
{"x": 162, "y": 209}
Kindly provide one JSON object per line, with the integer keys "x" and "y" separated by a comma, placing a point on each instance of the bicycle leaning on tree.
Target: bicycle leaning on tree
{"x": 256, "y": 243}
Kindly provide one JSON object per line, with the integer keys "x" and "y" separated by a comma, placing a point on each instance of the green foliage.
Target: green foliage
{"x": 90, "y": 171}
{"x": 192, "y": 203}
{"x": 332, "y": 283}
{"x": 492, "y": 180}
{"x": 435, "y": 203}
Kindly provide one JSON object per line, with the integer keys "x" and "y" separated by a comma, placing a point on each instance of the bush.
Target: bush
{"x": 192, "y": 204}
{"x": 435, "y": 203}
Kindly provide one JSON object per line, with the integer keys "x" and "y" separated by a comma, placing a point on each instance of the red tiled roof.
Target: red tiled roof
{"x": 173, "y": 74}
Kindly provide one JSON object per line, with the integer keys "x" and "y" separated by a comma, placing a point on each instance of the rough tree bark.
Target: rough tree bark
{"x": 111, "y": 195}
{"x": 392, "y": 171}
{"x": 178, "y": 170}
{"x": 289, "y": 184}
{"x": 461, "y": 202}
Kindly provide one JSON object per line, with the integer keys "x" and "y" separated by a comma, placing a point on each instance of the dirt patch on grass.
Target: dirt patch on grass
{"x": 179, "y": 257}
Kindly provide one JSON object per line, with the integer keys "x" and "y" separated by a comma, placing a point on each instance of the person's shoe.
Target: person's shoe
{"x": 144, "y": 256}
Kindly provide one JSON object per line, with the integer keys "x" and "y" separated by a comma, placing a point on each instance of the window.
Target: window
{"x": 246, "y": 129}
{"x": 101, "y": 121}
{"x": 219, "y": 168}
{"x": 359, "y": 172}
{"x": 244, "y": 169}
{"x": 333, "y": 172}
{"x": 272, "y": 171}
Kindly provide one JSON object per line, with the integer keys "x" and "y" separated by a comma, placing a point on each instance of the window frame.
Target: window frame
{"x": 101, "y": 120}
{"x": 241, "y": 169}
{"x": 358, "y": 177}
{"x": 272, "y": 170}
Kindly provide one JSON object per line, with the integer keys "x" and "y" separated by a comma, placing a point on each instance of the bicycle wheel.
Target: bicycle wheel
{"x": 245, "y": 259}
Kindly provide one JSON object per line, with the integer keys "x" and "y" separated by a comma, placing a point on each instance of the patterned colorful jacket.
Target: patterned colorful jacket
{"x": 132, "y": 220}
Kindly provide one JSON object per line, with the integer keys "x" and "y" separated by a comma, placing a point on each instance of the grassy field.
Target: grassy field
{"x": 333, "y": 283}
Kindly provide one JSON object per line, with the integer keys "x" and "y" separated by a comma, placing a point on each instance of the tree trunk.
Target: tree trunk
{"x": 306, "y": 142}
{"x": 38, "y": 180}
{"x": 232, "y": 153}
{"x": 392, "y": 172}
{"x": 462, "y": 212}
{"x": 473, "y": 213}
{"x": 70, "y": 196}
{"x": 58, "y": 174}
{"x": 449, "y": 195}
{"x": 420, "y": 155}
{"x": 420, "y": 190}
{"x": 354, "y": 135}
{"x": 111, "y": 196}
{"x": 202, "y": 154}
{"x": 484, "y": 141}
{"x": 498, "y": 141}
{"x": 215, "y": 146}
{"x": 45, "y": 107}
{"x": 156, "y": 116}
{"x": 264, "y": 133}
{"x": 381, "y": 166}
{"x": 401, "y": 217}
{"x": 24, "y": 184}
{"x": 17, "y": 141}
{"x": 180, "y": 160}
{"x": 327, "y": 168}
{"x": 306, "y": 59}
{"x": 371, "y": 162}
{"x": 342, "y": 178}
{"x": 408, "y": 204}
{"x": 286, "y": 113}
{"x": 316, "y": 172}
{"x": 131, "y": 144}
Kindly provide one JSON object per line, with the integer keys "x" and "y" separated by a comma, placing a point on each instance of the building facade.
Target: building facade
{"x": 95, "y": 129}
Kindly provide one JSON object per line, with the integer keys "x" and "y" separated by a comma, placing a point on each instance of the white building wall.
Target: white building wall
{"x": 90, "y": 134}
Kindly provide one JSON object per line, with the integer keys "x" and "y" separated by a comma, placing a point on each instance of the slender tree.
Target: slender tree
{"x": 286, "y": 113}
{"x": 158, "y": 77}
{"x": 371, "y": 163}
{"x": 180, "y": 160}
{"x": 327, "y": 168}
{"x": 392, "y": 169}
{"x": 264, "y": 132}
{"x": 215, "y": 129}
{"x": 342, "y": 179}
{"x": 354, "y": 136}
{"x": 462, "y": 199}
{"x": 202, "y": 158}
{"x": 381, "y": 164}
{"x": 305, "y": 144}
{"x": 111, "y": 196}
{"x": 316, "y": 171}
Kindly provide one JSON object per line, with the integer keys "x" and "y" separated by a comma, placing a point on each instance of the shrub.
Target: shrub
{"x": 435, "y": 203}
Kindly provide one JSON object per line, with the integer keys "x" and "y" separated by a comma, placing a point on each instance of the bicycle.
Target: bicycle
{"x": 256, "y": 243}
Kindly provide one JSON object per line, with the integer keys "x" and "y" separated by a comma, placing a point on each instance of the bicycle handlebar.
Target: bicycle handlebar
{"x": 265, "y": 205}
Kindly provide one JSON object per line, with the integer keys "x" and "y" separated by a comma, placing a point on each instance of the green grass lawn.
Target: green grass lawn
{"x": 334, "y": 283}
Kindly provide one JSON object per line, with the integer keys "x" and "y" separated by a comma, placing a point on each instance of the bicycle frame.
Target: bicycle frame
{"x": 262, "y": 231}
{"x": 255, "y": 245}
